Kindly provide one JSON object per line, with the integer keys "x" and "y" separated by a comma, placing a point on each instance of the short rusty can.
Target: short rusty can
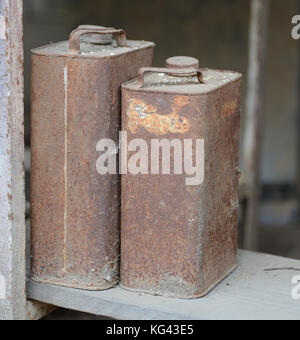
{"x": 76, "y": 101}
{"x": 180, "y": 159}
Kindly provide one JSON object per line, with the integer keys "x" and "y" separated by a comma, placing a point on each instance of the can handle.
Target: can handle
{"x": 170, "y": 71}
{"x": 119, "y": 35}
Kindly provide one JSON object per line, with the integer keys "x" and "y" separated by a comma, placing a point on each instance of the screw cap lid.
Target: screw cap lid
{"x": 182, "y": 62}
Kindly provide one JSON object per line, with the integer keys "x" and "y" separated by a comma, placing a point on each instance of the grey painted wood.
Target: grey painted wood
{"x": 261, "y": 288}
{"x": 12, "y": 198}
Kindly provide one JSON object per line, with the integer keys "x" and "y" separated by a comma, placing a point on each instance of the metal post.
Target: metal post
{"x": 12, "y": 198}
{"x": 254, "y": 117}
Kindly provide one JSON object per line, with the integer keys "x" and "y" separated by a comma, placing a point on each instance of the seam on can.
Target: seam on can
{"x": 66, "y": 166}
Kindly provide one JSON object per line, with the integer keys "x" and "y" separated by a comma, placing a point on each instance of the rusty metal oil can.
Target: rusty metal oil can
{"x": 76, "y": 101}
{"x": 179, "y": 235}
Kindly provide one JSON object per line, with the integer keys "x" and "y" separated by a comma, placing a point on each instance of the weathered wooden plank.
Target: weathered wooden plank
{"x": 254, "y": 118}
{"x": 260, "y": 289}
{"x": 12, "y": 198}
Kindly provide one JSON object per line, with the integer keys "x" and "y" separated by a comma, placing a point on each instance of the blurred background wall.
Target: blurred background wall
{"x": 216, "y": 32}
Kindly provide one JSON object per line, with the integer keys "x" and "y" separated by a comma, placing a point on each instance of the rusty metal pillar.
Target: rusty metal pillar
{"x": 254, "y": 118}
{"x": 12, "y": 198}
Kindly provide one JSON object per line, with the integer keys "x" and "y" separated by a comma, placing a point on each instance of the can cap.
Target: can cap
{"x": 182, "y": 62}
{"x": 91, "y": 38}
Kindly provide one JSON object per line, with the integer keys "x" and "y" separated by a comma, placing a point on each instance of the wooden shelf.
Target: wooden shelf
{"x": 260, "y": 289}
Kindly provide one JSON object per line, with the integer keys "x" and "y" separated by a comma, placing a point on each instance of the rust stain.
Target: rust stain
{"x": 230, "y": 108}
{"x": 11, "y": 217}
{"x": 179, "y": 103}
{"x": 146, "y": 116}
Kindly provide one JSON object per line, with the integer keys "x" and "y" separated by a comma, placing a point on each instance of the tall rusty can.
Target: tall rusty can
{"x": 76, "y": 101}
{"x": 179, "y": 209}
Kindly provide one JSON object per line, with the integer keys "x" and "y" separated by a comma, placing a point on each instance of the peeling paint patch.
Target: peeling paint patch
{"x": 146, "y": 116}
{"x": 3, "y": 27}
{"x": 2, "y": 287}
{"x": 2, "y": 8}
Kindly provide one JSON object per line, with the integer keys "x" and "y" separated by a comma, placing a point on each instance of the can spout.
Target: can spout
{"x": 182, "y": 62}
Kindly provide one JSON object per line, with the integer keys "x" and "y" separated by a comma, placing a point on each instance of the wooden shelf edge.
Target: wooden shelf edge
{"x": 260, "y": 289}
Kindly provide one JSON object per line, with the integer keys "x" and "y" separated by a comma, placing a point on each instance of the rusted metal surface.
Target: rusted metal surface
{"x": 76, "y": 211}
{"x": 182, "y": 62}
{"x": 142, "y": 115}
{"x": 179, "y": 240}
{"x": 74, "y": 41}
{"x": 93, "y": 38}
{"x": 178, "y": 72}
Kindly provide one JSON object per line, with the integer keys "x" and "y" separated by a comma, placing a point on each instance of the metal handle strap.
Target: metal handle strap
{"x": 119, "y": 35}
{"x": 171, "y": 71}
